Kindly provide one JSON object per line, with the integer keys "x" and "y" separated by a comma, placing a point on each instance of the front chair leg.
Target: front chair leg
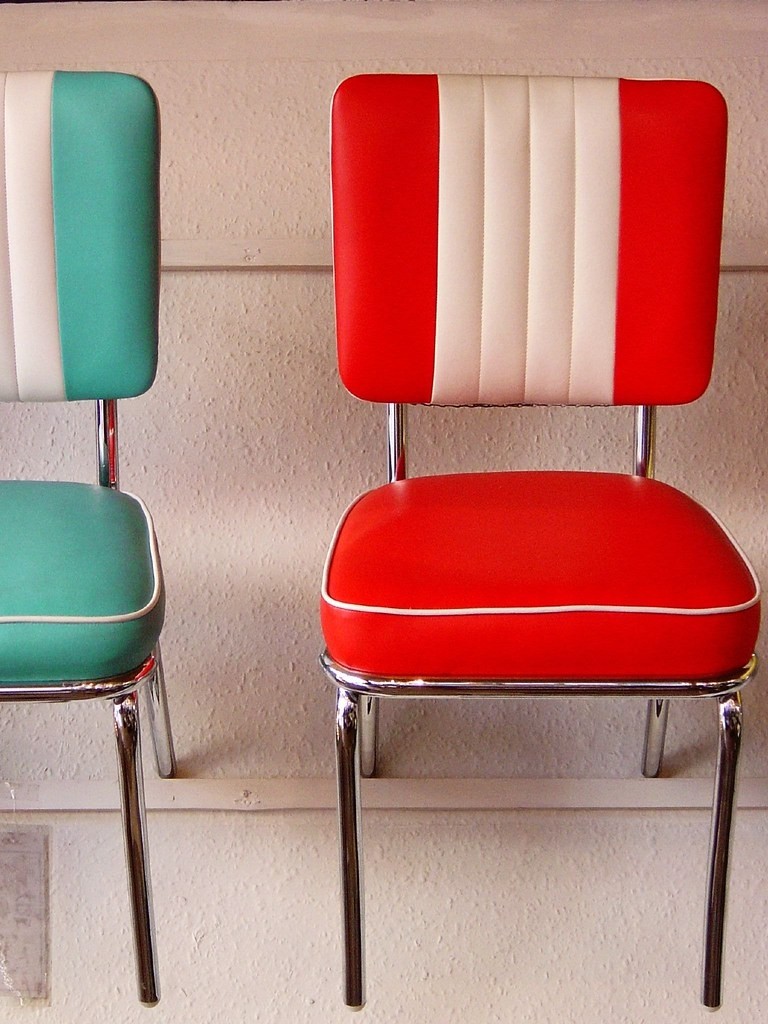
{"x": 655, "y": 733}
{"x": 348, "y": 779}
{"x": 160, "y": 720}
{"x": 126, "y": 719}
{"x": 730, "y": 723}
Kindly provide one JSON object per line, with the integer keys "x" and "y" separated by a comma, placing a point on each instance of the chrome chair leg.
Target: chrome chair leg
{"x": 160, "y": 720}
{"x": 655, "y": 734}
{"x": 127, "y": 736}
{"x": 348, "y": 778}
{"x": 369, "y": 734}
{"x": 730, "y": 723}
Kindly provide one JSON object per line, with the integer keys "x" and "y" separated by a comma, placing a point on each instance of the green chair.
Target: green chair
{"x": 81, "y": 589}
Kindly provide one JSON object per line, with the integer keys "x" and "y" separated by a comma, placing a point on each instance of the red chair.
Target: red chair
{"x": 516, "y": 241}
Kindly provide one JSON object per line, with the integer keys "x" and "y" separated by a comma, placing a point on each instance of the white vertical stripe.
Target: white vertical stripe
{"x": 8, "y": 387}
{"x": 550, "y": 276}
{"x": 596, "y": 262}
{"x": 528, "y": 226}
{"x": 30, "y": 235}
{"x": 505, "y": 265}
{"x": 456, "y": 377}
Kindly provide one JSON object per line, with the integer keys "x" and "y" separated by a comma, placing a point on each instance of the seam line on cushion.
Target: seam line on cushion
{"x": 127, "y": 616}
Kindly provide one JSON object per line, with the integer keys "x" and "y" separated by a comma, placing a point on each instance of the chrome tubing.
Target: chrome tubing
{"x": 369, "y": 733}
{"x": 397, "y": 469}
{"x": 106, "y": 442}
{"x": 387, "y": 686}
{"x": 655, "y": 733}
{"x": 645, "y": 466}
{"x": 160, "y": 720}
{"x": 645, "y": 441}
{"x": 397, "y": 424}
{"x": 128, "y": 740}
{"x": 78, "y": 689}
{"x": 730, "y": 726}
{"x": 350, "y": 851}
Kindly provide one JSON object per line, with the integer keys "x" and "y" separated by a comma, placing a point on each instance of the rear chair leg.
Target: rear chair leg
{"x": 369, "y": 734}
{"x": 730, "y": 723}
{"x": 348, "y": 779}
{"x": 126, "y": 720}
{"x": 655, "y": 733}
{"x": 160, "y": 720}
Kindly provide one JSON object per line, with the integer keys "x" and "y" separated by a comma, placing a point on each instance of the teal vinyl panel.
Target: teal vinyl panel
{"x": 105, "y": 153}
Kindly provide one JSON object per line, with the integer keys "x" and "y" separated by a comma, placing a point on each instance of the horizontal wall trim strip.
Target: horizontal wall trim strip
{"x": 255, "y": 795}
{"x": 255, "y": 254}
{"x": 302, "y": 253}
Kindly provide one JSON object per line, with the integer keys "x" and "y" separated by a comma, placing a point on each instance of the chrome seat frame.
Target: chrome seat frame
{"x": 356, "y": 734}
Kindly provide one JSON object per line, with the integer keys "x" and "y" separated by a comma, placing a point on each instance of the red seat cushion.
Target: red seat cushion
{"x": 540, "y": 575}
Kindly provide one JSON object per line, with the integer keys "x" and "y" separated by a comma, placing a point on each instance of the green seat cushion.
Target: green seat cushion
{"x": 81, "y": 592}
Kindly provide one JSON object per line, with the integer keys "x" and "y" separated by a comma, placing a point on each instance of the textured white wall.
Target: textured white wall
{"x": 246, "y": 451}
{"x": 516, "y": 918}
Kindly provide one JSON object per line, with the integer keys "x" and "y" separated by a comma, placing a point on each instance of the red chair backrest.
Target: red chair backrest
{"x": 503, "y": 240}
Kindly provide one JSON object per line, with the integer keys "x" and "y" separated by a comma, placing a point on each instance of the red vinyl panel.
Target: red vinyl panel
{"x": 673, "y": 140}
{"x": 384, "y": 160}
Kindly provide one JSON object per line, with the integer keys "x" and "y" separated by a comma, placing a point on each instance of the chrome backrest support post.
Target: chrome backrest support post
{"x": 396, "y": 441}
{"x": 368, "y": 709}
{"x": 645, "y": 441}
{"x": 657, "y": 710}
{"x": 106, "y": 441}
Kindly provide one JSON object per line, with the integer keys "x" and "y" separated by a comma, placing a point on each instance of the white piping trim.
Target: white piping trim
{"x": 128, "y": 616}
{"x": 539, "y": 609}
